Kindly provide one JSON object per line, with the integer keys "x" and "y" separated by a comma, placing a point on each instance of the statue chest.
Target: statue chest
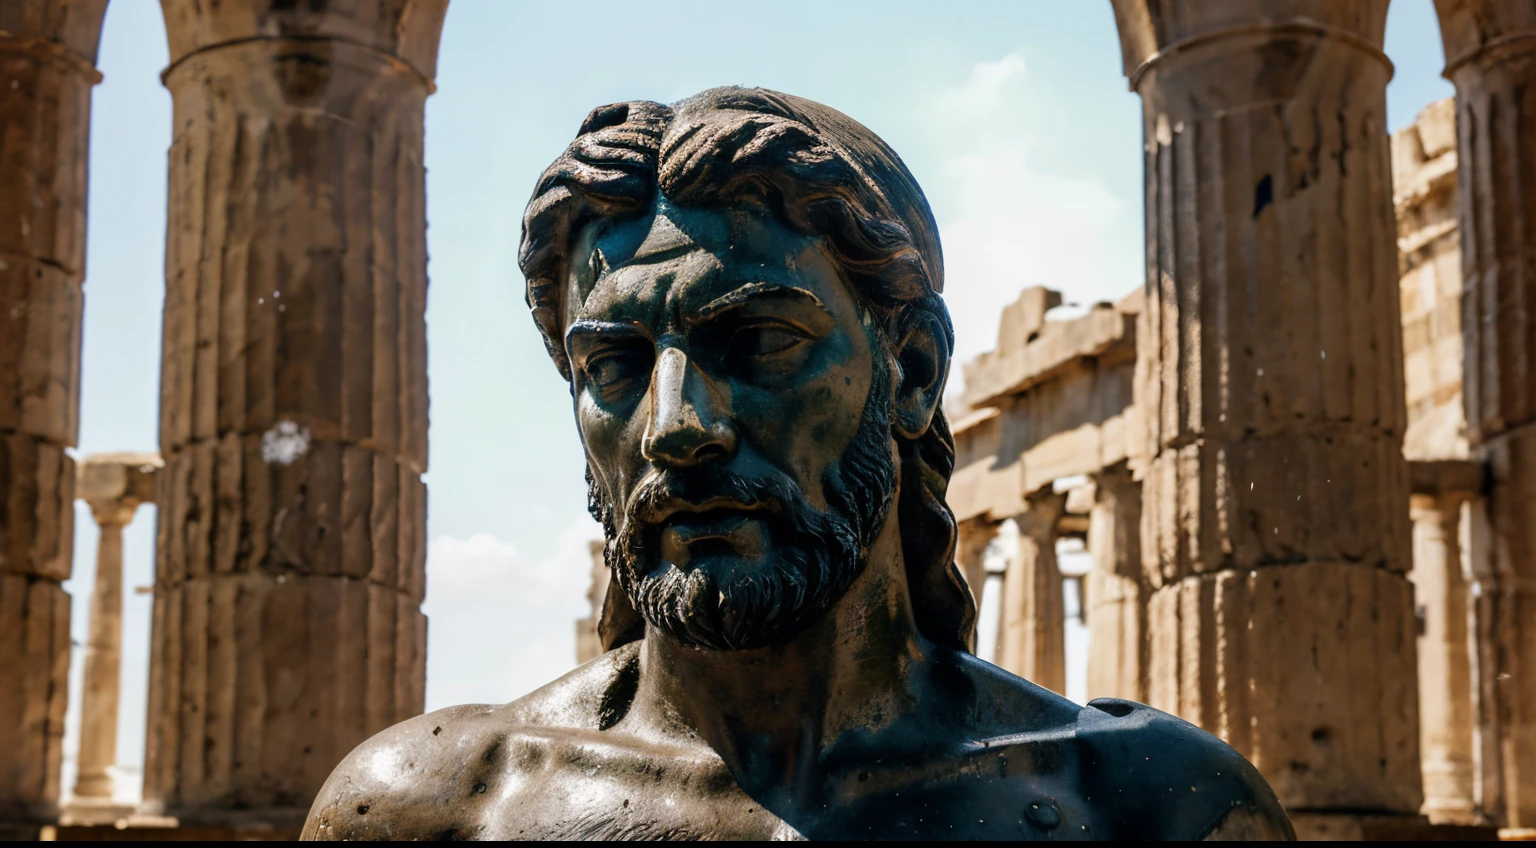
{"x": 636, "y": 798}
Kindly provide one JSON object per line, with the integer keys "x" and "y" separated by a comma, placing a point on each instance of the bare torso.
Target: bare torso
{"x": 1004, "y": 760}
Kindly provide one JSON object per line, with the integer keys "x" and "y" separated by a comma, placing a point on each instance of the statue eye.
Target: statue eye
{"x": 609, "y": 369}
{"x": 766, "y": 340}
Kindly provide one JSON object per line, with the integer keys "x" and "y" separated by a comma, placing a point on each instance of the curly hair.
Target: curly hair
{"x": 821, "y": 174}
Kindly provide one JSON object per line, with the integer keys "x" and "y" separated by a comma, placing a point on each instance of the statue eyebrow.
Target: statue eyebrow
{"x": 589, "y": 327}
{"x": 742, "y": 294}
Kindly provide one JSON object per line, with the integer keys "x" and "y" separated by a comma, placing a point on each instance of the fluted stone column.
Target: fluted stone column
{"x": 1275, "y": 517}
{"x": 1117, "y": 613}
{"x": 47, "y": 70}
{"x": 1483, "y": 607}
{"x": 293, "y": 415}
{"x": 589, "y": 641}
{"x": 113, "y": 486}
{"x": 1032, "y": 638}
{"x": 1490, "y": 52}
{"x": 1445, "y": 676}
{"x": 973, "y": 537}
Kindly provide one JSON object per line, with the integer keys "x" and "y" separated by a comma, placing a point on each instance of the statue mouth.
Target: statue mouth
{"x": 693, "y": 533}
{"x": 690, "y": 528}
{"x": 676, "y": 511}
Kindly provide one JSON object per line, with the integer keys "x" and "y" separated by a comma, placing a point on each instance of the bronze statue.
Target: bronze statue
{"x": 743, "y": 290}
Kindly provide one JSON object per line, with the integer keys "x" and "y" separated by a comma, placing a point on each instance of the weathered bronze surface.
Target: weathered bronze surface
{"x": 744, "y": 292}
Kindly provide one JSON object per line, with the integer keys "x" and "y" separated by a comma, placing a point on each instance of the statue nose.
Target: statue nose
{"x": 688, "y": 422}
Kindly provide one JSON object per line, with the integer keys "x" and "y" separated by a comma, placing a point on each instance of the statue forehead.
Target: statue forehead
{"x": 669, "y": 239}
{"x": 665, "y": 234}
{"x": 668, "y": 230}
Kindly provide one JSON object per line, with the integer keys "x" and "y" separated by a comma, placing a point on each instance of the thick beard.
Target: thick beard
{"x": 818, "y": 553}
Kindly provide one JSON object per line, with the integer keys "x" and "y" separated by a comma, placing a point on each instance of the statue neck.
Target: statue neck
{"x": 770, "y": 713}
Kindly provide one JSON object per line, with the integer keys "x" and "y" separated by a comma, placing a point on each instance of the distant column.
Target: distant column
{"x": 293, "y": 413}
{"x": 1270, "y": 380}
{"x": 1117, "y": 613}
{"x": 1483, "y": 607}
{"x": 589, "y": 642}
{"x": 972, "y": 540}
{"x": 1490, "y": 53}
{"x": 47, "y": 70}
{"x": 113, "y": 485}
{"x": 1445, "y": 672}
{"x": 1032, "y": 638}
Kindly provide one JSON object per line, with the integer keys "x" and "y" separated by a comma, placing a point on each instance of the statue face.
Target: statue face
{"x": 735, "y": 403}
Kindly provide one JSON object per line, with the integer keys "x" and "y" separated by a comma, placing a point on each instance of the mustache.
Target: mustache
{"x": 663, "y": 493}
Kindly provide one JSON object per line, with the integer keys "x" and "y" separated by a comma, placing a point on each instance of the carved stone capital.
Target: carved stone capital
{"x": 1038, "y": 521}
{"x": 115, "y": 484}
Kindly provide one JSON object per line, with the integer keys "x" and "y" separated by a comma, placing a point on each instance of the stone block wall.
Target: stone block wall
{"x": 1429, "y": 261}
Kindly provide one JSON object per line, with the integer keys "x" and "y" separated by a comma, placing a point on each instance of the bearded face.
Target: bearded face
{"x": 721, "y": 603}
{"x": 735, "y": 403}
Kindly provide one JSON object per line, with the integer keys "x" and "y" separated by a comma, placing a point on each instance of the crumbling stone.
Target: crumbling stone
{"x": 293, "y": 417}
{"x": 1490, "y": 52}
{"x": 47, "y": 70}
{"x": 1275, "y": 521}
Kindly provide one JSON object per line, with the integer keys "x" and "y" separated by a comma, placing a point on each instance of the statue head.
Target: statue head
{"x": 743, "y": 290}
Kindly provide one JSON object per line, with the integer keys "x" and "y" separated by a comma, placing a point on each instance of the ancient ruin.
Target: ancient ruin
{"x": 1007, "y": 458}
{"x": 1490, "y": 51}
{"x": 114, "y": 486}
{"x": 293, "y": 412}
{"x": 47, "y": 69}
{"x": 1308, "y": 494}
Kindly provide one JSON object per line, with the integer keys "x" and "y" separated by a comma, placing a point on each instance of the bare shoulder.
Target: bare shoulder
{"x": 425, "y": 778}
{"x": 1174, "y": 778}
{"x": 399, "y": 784}
{"x": 1141, "y": 773}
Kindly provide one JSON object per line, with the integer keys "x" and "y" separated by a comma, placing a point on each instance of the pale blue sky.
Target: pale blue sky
{"x": 1014, "y": 116}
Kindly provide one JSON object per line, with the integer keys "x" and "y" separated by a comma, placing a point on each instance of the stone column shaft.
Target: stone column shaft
{"x": 1445, "y": 673}
{"x": 113, "y": 485}
{"x": 1270, "y": 382}
{"x": 47, "y": 70}
{"x": 1032, "y": 637}
{"x": 293, "y": 422}
{"x": 973, "y": 537}
{"x": 1490, "y": 50}
{"x": 589, "y": 642}
{"x": 103, "y": 666}
{"x": 1116, "y": 601}
{"x": 1484, "y": 605}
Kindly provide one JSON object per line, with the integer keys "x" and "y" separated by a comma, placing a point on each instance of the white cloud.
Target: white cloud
{"x": 1009, "y": 221}
{"x": 501, "y": 624}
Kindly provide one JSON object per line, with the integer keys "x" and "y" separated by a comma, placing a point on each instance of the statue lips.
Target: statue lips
{"x": 714, "y": 524}
{"x": 685, "y": 526}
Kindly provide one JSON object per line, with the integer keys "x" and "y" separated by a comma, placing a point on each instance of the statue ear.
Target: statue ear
{"x": 922, "y": 360}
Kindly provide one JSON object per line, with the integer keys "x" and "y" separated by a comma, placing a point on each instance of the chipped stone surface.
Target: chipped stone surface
{"x": 1490, "y": 51}
{"x": 1065, "y": 412}
{"x": 1015, "y": 367}
{"x": 1051, "y": 402}
{"x": 1116, "y": 608}
{"x": 1424, "y": 173}
{"x": 293, "y": 416}
{"x": 1003, "y": 456}
{"x": 47, "y": 70}
{"x": 284, "y": 443}
{"x": 1269, "y": 376}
